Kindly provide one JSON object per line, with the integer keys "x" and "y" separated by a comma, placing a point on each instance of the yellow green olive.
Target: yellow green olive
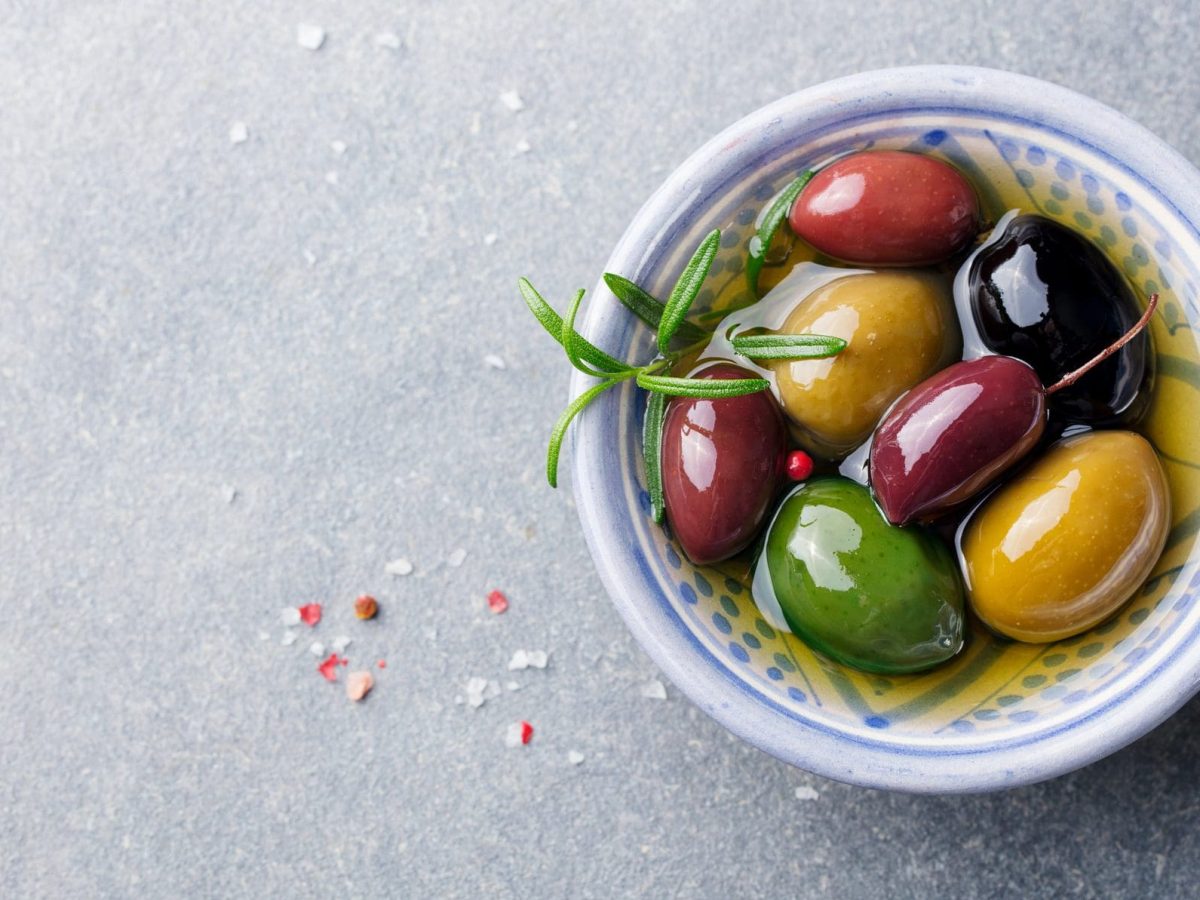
{"x": 901, "y": 328}
{"x": 1062, "y": 546}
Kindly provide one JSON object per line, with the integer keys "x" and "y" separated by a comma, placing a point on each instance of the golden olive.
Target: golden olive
{"x": 900, "y": 328}
{"x": 1061, "y": 547}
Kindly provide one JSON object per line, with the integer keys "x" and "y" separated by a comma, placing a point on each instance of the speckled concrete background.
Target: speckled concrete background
{"x": 184, "y": 318}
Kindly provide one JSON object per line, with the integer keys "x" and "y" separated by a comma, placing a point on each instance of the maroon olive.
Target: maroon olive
{"x": 954, "y": 434}
{"x": 722, "y": 461}
{"x": 887, "y": 208}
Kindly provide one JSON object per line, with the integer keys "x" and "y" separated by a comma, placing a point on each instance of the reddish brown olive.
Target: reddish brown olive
{"x": 887, "y": 208}
{"x": 954, "y": 434}
{"x": 722, "y": 462}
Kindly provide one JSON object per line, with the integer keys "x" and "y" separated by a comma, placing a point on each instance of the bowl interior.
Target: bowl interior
{"x": 995, "y": 693}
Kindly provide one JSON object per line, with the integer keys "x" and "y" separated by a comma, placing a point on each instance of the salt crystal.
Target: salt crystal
{"x": 520, "y": 660}
{"x": 310, "y": 37}
{"x": 289, "y": 616}
{"x": 512, "y": 686}
{"x": 458, "y": 699}
{"x": 522, "y": 146}
{"x": 230, "y": 493}
{"x": 340, "y": 643}
{"x": 331, "y": 177}
{"x": 388, "y": 39}
{"x": 480, "y": 690}
{"x": 289, "y": 638}
{"x": 310, "y": 257}
{"x": 572, "y": 125}
{"x": 338, "y": 147}
{"x": 399, "y": 566}
{"x": 489, "y": 239}
{"x": 238, "y": 133}
{"x": 538, "y": 658}
{"x": 654, "y": 690}
{"x": 804, "y": 792}
{"x": 494, "y": 361}
{"x": 518, "y": 733}
{"x": 456, "y": 557}
{"x": 264, "y": 635}
{"x": 574, "y": 757}
{"x": 358, "y": 684}
{"x": 512, "y": 101}
{"x": 316, "y": 648}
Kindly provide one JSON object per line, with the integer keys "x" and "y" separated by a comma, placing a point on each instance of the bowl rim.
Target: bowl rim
{"x": 846, "y": 755}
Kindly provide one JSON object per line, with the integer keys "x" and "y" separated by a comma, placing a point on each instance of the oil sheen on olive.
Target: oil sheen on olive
{"x": 864, "y": 592}
{"x": 954, "y": 434}
{"x": 900, "y": 327}
{"x": 722, "y": 462}
{"x": 1047, "y": 295}
{"x": 887, "y": 208}
{"x": 1067, "y": 542}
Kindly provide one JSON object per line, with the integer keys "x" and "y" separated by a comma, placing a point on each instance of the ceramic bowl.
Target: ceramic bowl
{"x": 1002, "y": 714}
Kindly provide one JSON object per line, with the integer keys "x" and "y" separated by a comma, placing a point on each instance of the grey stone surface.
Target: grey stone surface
{"x": 165, "y": 339}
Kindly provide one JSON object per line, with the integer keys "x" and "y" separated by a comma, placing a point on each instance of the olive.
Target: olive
{"x": 887, "y": 207}
{"x": 1061, "y": 547}
{"x": 722, "y": 462}
{"x": 1045, "y": 294}
{"x": 954, "y": 434}
{"x": 900, "y": 328}
{"x": 863, "y": 592}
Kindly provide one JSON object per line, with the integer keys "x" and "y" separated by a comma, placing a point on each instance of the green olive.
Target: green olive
{"x": 862, "y": 591}
{"x": 900, "y": 328}
{"x": 1061, "y": 547}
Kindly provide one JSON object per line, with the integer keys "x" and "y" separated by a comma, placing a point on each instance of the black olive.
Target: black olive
{"x": 1047, "y": 295}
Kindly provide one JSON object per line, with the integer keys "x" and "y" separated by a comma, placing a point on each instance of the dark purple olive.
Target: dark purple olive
{"x": 956, "y": 432}
{"x": 953, "y": 434}
{"x": 722, "y": 461}
{"x": 1044, "y": 294}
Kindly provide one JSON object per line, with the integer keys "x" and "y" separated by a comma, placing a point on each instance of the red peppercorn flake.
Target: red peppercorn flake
{"x": 799, "y": 465}
{"x": 518, "y": 734}
{"x": 328, "y": 667}
{"x": 310, "y": 614}
{"x": 497, "y": 602}
{"x": 382, "y": 664}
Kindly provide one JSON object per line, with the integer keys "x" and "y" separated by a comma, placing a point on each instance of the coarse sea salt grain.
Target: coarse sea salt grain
{"x": 230, "y": 493}
{"x": 331, "y": 177}
{"x": 310, "y": 37}
{"x": 512, "y": 101}
{"x": 654, "y": 690}
{"x": 517, "y": 734}
{"x": 520, "y": 660}
{"x": 338, "y": 147}
{"x": 388, "y": 39}
{"x": 512, "y": 686}
{"x": 804, "y": 792}
{"x": 238, "y": 133}
{"x": 457, "y": 557}
{"x": 574, "y": 757}
{"x": 289, "y": 638}
{"x": 522, "y": 146}
{"x": 493, "y": 361}
{"x": 316, "y": 648}
{"x": 489, "y": 239}
{"x": 289, "y": 616}
{"x": 264, "y": 635}
{"x": 340, "y": 643}
{"x": 399, "y": 566}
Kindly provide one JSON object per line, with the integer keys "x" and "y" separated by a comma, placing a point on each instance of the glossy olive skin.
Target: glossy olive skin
{"x": 887, "y": 208}
{"x": 1066, "y": 543}
{"x": 900, "y": 328}
{"x": 1047, "y": 295}
{"x": 863, "y": 592}
{"x": 722, "y": 463}
{"x": 954, "y": 434}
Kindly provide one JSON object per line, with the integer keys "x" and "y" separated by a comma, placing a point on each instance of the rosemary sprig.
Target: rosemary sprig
{"x": 670, "y": 321}
{"x": 686, "y": 289}
{"x": 648, "y": 309}
{"x": 652, "y": 454}
{"x": 787, "y": 346}
{"x": 761, "y": 242}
